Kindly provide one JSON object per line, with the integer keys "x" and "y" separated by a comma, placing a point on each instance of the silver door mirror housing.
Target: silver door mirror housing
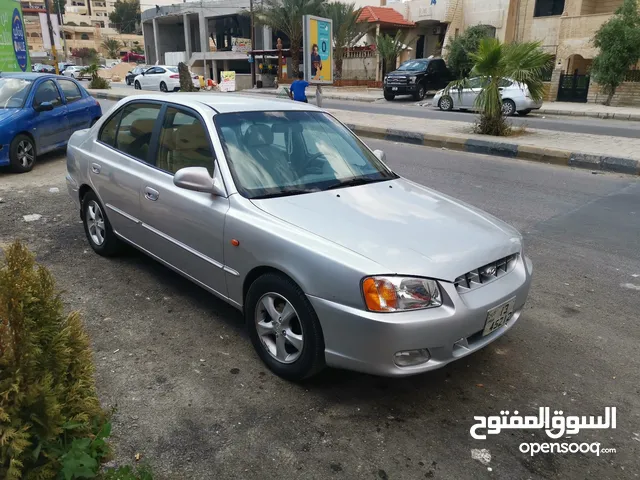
{"x": 198, "y": 180}
{"x": 380, "y": 155}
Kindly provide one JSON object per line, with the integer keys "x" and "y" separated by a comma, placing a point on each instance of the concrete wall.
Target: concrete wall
{"x": 627, "y": 94}
{"x": 359, "y": 68}
{"x": 170, "y": 39}
{"x": 149, "y": 48}
{"x": 606, "y": 6}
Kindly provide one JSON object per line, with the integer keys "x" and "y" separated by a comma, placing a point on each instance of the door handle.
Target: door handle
{"x": 95, "y": 168}
{"x": 151, "y": 194}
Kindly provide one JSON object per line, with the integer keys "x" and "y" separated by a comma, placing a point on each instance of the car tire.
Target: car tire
{"x": 22, "y": 154}
{"x": 163, "y": 87}
{"x": 420, "y": 93}
{"x": 273, "y": 343}
{"x": 73, "y": 76}
{"x": 97, "y": 227}
{"x": 508, "y": 107}
{"x": 127, "y": 81}
{"x": 389, "y": 96}
{"x": 445, "y": 103}
{"x": 137, "y": 85}
{"x": 524, "y": 113}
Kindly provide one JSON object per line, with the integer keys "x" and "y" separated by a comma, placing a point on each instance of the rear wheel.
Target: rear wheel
{"x": 22, "y": 154}
{"x": 446, "y": 103}
{"x": 163, "y": 87}
{"x": 284, "y": 328}
{"x": 508, "y": 107}
{"x": 137, "y": 85}
{"x": 97, "y": 227}
{"x": 389, "y": 96}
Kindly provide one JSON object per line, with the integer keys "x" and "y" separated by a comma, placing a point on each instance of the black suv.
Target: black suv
{"x": 416, "y": 77}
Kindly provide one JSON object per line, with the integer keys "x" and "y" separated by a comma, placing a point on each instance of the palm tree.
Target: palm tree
{"x": 390, "y": 48}
{"x": 112, "y": 46}
{"x": 286, "y": 16}
{"x": 346, "y": 33}
{"x": 495, "y": 61}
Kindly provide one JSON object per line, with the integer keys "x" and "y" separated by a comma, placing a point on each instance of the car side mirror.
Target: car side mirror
{"x": 380, "y": 155}
{"x": 199, "y": 180}
{"x": 44, "y": 107}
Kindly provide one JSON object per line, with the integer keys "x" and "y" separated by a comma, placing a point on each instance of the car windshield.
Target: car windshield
{"x": 413, "y": 65}
{"x": 273, "y": 154}
{"x": 13, "y": 92}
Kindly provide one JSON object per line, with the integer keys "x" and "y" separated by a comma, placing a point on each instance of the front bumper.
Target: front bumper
{"x": 407, "y": 89}
{"x": 4, "y": 155}
{"x": 367, "y": 341}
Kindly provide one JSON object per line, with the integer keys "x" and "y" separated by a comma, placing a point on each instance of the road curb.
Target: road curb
{"x": 472, "y": 145}
{"x": 504, "y": 149}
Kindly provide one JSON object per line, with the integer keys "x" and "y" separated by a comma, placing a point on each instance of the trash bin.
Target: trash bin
{"x": 258, "y": 83}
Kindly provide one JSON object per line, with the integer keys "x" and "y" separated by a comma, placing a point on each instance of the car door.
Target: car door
{"x": 184, "y": 228}
{"x": 118, "y": 159}
{"x": 470, "y": 93}
{"x": 78, "y": 112}
{"x": 51, "y": 128}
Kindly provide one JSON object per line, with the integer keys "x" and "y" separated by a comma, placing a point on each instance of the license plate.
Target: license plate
{"x": 499, "y": 316}
{"x": 394, "y": 88}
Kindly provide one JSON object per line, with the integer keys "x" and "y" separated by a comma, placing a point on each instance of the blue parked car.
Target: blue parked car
{"x": 39, "y": 113}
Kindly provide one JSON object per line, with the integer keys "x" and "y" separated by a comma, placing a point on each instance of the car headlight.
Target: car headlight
{"x": 397, "y": 294}
{"x": 385, "y": 79}
{"x": 412, "y": 79}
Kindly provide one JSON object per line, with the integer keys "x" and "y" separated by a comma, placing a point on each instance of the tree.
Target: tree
{"x": 286, "y": 16}
{"x": 619, "y": 44}
{"x": 186, "y": 82}
{"x": 137, "y": 48}
{"x": 346, "y": 31}
{"x": 97, "y": 82}
{"x": 112, "y": 46}
{"x": 389, "y": 48}
{"x": 126, "y": 15}
{"x": 89, "y": 55}
{"x": 458, "y": 60}
{"x": 58, "y": 6}
{"x": 495, "y": 61}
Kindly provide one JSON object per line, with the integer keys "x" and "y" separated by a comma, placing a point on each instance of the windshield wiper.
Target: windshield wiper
{"x": 353, "y": 182}
{"x": 283, "y": 193}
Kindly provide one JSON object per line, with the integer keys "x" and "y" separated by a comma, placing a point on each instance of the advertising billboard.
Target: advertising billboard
{"x": 14, "y": 52}
{"x": 318, "y": 49}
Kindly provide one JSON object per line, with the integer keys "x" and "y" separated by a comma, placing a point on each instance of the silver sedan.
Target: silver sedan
{"x": 515, "y": 97}
{"x": 280, "y": 210}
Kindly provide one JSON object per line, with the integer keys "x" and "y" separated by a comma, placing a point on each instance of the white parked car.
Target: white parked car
{"x": 75, "y": 71}
{"x": 162, "y": 77}
{"x": 515, "y": 97}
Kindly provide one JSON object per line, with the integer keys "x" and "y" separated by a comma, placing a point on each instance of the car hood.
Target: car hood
{"x": 7, "y": 114}
{"x": 404, "y": 227}
{"x": 404, "y": 73}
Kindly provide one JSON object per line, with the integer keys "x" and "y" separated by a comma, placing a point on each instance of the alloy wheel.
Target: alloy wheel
{"x": 25, "y": 153}
{"x": 508, "y": 108}
{"x": 163, "y": 87}
{"x": 95, "y": 223}
{"x": 279, "y": 328}
{"x": 445, "y": 103}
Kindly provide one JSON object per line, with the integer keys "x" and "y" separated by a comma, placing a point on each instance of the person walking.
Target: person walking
{"x": 298, "y": 89}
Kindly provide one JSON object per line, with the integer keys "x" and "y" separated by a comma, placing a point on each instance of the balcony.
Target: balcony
{"x": 420, "y": 10}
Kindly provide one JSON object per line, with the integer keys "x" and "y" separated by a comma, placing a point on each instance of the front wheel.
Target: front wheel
{"x": 446, "y": 103}
{"x": 420, "y": 93}
{"x": 22, "y": 154}
{"x": 163, "y": 87}
{"x": 137, "y": 85}
{"x": 284, "y": 328}
{"x": 508, "y": 107}
{"x": 97, "y": 227}
{"x": 389, "y": 96}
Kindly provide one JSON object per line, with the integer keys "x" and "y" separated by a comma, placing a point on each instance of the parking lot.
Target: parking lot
{"x": 193, "y": 399}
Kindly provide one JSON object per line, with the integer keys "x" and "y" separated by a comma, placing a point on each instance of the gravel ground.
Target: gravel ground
{"x": 193, "y": 399}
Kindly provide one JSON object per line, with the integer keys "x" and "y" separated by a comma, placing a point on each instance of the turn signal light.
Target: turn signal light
{"x": 380, "y": 295}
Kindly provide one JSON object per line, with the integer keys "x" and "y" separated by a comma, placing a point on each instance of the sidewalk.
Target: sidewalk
{"x": 595, "y": 152}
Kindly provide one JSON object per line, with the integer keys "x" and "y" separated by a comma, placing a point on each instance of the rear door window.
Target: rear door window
{"x": 136, "y": 128}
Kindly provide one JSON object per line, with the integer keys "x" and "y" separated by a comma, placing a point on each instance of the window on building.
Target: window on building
{"x": 547, "y": 8}
{"x": 84, "y": 36}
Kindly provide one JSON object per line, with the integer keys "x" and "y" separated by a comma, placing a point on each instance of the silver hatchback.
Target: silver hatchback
{"x": 280, "y": 210}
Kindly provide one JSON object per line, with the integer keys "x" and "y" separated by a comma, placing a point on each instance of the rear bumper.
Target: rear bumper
{"x": 365, "y": 341}
{"x": 527, "y": 104}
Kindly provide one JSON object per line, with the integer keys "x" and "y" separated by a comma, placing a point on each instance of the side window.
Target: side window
{"x": 136, "y": 127}
{"x": 159, "y": 70}
{"x": 70, "y": 90}
{"x": 184, "y": 142}
{"x": 108, "y": 133}
{"x": 431, "y": 68}
{"x": 505, "y": 83}
{"x": 47, "y": 92}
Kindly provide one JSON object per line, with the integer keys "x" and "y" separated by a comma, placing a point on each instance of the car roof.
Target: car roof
{"x": 27, "y": 75}
{"x": 228, "y": 102}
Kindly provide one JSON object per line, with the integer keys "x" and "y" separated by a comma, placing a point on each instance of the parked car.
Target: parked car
{"x": 132, "y": 57}
{"x": 132, "y": 74}
{"x": 515, "y": 97}
{"x": 75, "y": 71}
{"x": 280, "y": 210}
{"x": 161, "y": 77}
{"x": 38, "y": 113}
{"x": 62, "y": 66}
{"x": 43, "y": 68}
{"x": 417, "y": 77}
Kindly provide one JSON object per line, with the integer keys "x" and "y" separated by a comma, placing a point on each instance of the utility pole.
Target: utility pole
{"x": 253, "y": 47}
{"x": 61, "y": 23}
{"x": 54, "y": 54}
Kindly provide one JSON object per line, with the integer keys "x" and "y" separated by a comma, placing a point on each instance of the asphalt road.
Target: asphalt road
{"x": 407, "y": 107}
{"x": 194, "y": 400}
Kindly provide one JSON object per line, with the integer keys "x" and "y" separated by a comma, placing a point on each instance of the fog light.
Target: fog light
{"x": 409, "y": 358}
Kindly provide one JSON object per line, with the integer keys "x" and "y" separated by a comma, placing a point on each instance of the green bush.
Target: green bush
{"x": 99, "y": 83}
{"x": 51, "y": 421}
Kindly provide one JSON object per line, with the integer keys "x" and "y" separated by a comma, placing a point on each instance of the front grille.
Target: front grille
{"x": 396, "y": 81}
{"x": 485, "y": 274}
